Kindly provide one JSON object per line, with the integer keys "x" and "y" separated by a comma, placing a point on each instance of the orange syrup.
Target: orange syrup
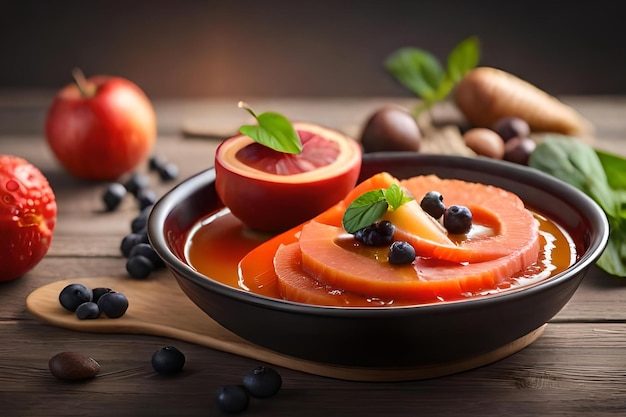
{"x": 218, "y": 242}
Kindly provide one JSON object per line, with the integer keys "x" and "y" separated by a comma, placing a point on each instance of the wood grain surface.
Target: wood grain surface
{"x": 576, "y": 368}
{"x": 158, "y": 307}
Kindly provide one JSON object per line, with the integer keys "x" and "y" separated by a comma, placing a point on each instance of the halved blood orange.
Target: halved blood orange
{"x": 272, "y": 191}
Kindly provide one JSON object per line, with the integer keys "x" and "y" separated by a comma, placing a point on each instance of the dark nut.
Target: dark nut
{"x": 391, "y": 129}
{"x": 518, "y": 150}
{"x": 510, "y": 127}
{"x": 73, "y": 366}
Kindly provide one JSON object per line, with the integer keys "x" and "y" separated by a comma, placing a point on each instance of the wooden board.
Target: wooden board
{"x": 157, "y": 306}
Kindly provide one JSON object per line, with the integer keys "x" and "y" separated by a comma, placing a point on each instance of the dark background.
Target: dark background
{"x": 314, "y": 48}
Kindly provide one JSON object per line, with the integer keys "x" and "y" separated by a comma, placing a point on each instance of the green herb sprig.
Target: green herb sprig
{"x": 423, "y": 74}
{"x": 599, "y": 174}
{"x": 371, "y": 206}
{"x": 273, "y": 130}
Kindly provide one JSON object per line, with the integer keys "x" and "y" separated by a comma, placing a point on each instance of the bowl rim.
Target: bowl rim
{"x": 515, "y": 172}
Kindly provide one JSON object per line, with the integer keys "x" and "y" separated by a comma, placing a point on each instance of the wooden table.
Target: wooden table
{"x": 576, "y": 368}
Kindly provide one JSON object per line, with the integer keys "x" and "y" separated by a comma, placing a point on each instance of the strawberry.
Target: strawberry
{"x": 27, "y": 216}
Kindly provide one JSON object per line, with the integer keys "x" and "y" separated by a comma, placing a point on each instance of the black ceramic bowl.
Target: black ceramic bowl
{"x": 424, "y": 335}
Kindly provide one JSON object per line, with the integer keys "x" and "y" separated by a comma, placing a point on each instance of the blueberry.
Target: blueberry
{"x": 232, "y": 398}
{"x": 146, "y": 197}
{"x": 129, "y": 241}
{"x": 113, "y": 304}
{"x": 88, "y": 310}
{"x": 457, "y": 220}
{"x": 262, "y": 382}
{"x": 168, "y": 172}
{"x": 377, "y": 234}
{"x": 139, "y": 266}
{"x": 141, "y": 221}
{"x": 156, "y": 162}
{"x": 168, "y": 360}
{"x": 401, "y": 253}
{"x": 99, "y": 292}
{"x": 432, "y": 203}
{"x": 136, "y": 182}
{"x": 146, "y": 249}
{"x": 74, "y": 295}
{"x": 113, "y": 195}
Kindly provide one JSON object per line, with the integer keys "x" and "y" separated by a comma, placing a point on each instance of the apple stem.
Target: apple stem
{"x": 81, "y": 81}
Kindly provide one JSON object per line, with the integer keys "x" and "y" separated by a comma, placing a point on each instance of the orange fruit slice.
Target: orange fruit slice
{"x": 511, "y": 228}
{"x": 328, "y": 270}
{"x": 335, "y": 264}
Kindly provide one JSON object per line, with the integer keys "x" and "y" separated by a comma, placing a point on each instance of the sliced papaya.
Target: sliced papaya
{"x": 255, "y": 270}
{"x": 298, "y": 286}
{"x": 443, "y": 271}
{"x": 513, "y": 228}
{"x": 332, "y": 264}
{"x": 491, "y": 207}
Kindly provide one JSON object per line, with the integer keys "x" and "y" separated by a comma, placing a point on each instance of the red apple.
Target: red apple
{"x": 270, "y": 191}
{"x": 100, "y": 128}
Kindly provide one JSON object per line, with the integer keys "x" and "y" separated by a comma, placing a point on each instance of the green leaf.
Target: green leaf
{"x": 463, "y": 58}
{"x": 371, "y": 206}
{"x": 613, "y": 259}
{"x": 364, "y": 210}
{"x": 274, "y": 131}
{"x": 615, "y": 169}
{"x": 417, "y": 70}
{"x": 576, "y": 163}
{"x": 396, "y": 197}
{"x": 423, "y": 74}
{"x": 600, "y": 176}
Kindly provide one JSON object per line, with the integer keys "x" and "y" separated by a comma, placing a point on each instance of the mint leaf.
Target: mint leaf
{"x": 396, "y": 197}
{"x": 371, "y": 206}
{"x": 364, "y": 210}
{"x": 273, "y": 130}
{"x": 421, "y": 72}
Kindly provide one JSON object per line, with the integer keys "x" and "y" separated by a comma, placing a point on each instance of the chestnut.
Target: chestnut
{"x": 391, "y": 129}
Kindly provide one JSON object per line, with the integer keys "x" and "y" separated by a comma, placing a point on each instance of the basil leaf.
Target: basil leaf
{"x": 594, "y": 173}
{"x": 274, "y": 131}
{"x": 613, "y": 259}
{"x": 576, "y": 163}
{"x": 395, "y": 196}
{"x": 463, "y": 58}
{"x": 364, "y": 210}
{"x": 417, "y": 70}
{"x": 615, "y": 169}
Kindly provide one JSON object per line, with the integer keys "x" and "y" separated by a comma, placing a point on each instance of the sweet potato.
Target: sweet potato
{"x": 486, "y": 94}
